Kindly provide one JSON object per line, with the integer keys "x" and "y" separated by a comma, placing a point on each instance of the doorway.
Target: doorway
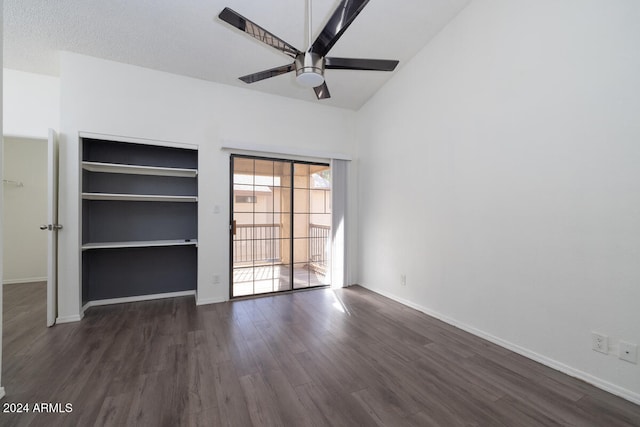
{"x": 280, "y": 225}
{"x": 25, "y": 208}
{"x": 25, "y": 245}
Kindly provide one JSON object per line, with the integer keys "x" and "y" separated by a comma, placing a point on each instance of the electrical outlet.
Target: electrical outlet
{"x": 403, "y": 279}
{"x": 600, "y": 342}
{"x": 628, "y": 352}
{"x": 216, "y": 279}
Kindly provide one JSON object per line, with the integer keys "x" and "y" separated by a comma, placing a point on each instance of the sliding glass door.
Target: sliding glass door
{"x": 280, "y": 225}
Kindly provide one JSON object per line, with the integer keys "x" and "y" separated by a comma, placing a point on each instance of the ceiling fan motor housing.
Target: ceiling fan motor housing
{"x": 310, "y": 69}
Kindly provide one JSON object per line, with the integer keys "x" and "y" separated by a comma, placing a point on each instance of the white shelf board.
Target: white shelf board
{"x": 139, "y": 244}
{"x": 139, "y": 197}
{"x": 143, "y": 141}
{"x": 138, "y": 170}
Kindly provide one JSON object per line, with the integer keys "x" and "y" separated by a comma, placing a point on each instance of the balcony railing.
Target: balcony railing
{"x": 318, "y": 238}
{"x": 256, "y": 243}
{"x": 260, "y": 244}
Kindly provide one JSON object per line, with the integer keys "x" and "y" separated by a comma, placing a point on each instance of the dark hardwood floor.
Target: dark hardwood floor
{"x": 314, "y": 358}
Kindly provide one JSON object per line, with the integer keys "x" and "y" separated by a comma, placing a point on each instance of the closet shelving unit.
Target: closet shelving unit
{"x": 139, "y": 218}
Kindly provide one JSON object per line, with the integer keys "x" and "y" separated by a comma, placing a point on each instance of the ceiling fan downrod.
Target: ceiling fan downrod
{"x": 309, "y": 66}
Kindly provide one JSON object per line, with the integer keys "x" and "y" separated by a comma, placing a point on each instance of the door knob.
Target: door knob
{"x": 51, "y": 227}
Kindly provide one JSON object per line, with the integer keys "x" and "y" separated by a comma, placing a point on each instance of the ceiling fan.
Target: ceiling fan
{"x": 310, "y": 65}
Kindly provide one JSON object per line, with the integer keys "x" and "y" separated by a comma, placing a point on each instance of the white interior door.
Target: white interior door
{"x": 52, "y": 227}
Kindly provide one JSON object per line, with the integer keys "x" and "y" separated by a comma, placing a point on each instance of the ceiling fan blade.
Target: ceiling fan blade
{"x": 261, "y": 75}
{"x": 360, "y": 64}
{"x": 254, "y": 30}
{"x": 322, "y": 91}
{"x": 342, "y": 17}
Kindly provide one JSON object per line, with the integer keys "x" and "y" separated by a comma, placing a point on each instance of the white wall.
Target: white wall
{"x": 111, "y": 98}
{"x": 513, "y": 139}
{"x": 31, "y": 104}
{"x": 25, "y": 208}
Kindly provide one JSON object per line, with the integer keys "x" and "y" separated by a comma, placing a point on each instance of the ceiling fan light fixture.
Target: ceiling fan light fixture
{"x": 309, "y": 69}
{"x": 309, "y": 79}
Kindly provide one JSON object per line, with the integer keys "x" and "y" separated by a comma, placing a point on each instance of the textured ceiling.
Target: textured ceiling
{"x": 186, "y": 37}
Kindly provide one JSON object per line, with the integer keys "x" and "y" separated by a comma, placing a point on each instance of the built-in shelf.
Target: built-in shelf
{"x": 138, "y": 170}
{"x": 139, "y": 219}
{"x": 140, "y": 244}
{"x": 139, "y": 197}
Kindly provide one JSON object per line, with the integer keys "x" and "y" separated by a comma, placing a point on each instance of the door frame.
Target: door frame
{"x": 50, "y": 145}
{"x": 52, "y": 228}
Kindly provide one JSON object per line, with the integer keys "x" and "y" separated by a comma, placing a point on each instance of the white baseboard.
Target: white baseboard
{"x": 25, "y": 280}
{"x": 70, "y": 319}
{"x": 554, "y": 364}
{"x": 205, "y": 301}
{"x": 136, "y": 299}
{"x": 2, "y": 392}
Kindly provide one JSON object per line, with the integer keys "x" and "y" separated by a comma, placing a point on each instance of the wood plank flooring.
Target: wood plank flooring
{"x": 313, "y": 358}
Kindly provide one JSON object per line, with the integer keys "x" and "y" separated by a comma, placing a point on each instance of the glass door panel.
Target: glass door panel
{"x": 301, "y": 200}
{"x": 301, "y": 175}
{"x": 279, "y": 233}
{"x": 300, "y": 276}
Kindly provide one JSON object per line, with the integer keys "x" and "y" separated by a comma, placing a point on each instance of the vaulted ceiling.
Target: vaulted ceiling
{"x": 187, "y": 38}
